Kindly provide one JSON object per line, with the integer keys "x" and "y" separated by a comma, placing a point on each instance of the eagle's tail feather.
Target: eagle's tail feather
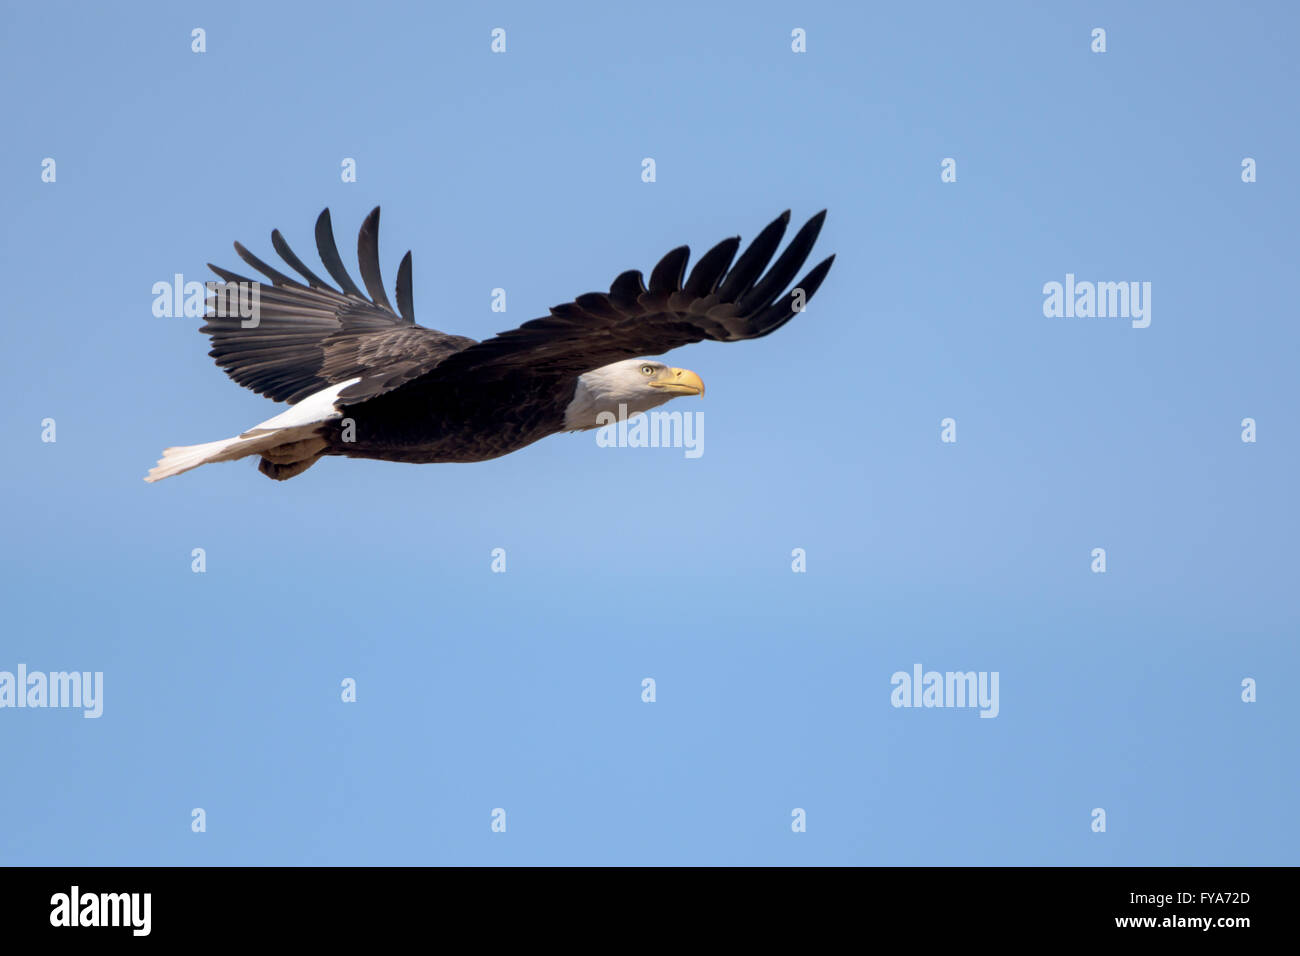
{"x": 183, "y": 458}
{"x": 288, "y": 440}
{"x": 287, "y": 452}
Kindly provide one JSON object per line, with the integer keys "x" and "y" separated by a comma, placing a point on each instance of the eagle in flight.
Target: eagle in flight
{"x": 366, "y": 382}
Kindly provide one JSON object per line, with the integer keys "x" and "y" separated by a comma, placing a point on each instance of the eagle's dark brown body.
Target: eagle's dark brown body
{"x": 442, "y": 423}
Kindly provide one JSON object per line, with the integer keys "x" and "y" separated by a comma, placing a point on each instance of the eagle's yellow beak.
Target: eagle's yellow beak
{"x": 680, "y": 381}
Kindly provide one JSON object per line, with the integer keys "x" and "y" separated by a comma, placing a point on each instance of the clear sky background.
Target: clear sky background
{"x": 522, "y": 690}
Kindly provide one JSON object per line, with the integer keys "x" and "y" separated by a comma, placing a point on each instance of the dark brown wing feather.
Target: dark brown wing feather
{"x": 311, "y": 336}
{"x": 632, "y": 320}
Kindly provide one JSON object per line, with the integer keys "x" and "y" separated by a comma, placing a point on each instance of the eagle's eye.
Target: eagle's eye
{"x": 647, "y": 369}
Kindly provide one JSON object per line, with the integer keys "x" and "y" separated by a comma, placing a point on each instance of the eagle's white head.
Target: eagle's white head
{"x": 624, "y": 389}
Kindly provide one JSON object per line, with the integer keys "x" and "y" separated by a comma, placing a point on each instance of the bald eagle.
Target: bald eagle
{"x": 365, "y": 381}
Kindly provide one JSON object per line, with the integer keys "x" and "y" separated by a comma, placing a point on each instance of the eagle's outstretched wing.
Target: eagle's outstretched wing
{"x": 308, "y": 337}
{"x": 311, "y": 336}
{"x": 718, "y": 301}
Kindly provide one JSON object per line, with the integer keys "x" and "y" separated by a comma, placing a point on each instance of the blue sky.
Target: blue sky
{"x": 522, "y": 690}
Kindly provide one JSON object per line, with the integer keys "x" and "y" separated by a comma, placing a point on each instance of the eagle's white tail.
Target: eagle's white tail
{"x": 182, "y": 458}
{"x": 297, "y": 425}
